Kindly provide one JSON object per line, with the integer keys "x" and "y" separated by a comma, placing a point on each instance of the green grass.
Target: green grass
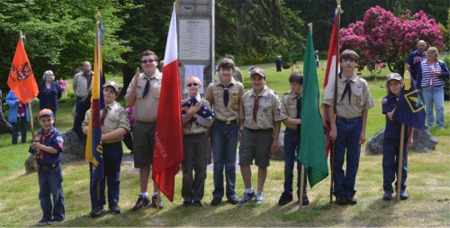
{"x": 428, "y": 186}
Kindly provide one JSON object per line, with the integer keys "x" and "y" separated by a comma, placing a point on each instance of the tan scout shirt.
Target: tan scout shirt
{"x": 146, "y": 108}
{"x": 115, "y": 118}
{"x": 214, "y": 94}
{"x": 201, "y": 125}
{"x": 268, "y": 111}
{"x": 361, "y": 98}
{"x": 80, "y": 84}
{"x": 289, "y": 108}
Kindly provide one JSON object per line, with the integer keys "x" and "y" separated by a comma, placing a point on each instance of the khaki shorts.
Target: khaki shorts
{"x": 143, "y": 141}
{"x": 255, "y": 144}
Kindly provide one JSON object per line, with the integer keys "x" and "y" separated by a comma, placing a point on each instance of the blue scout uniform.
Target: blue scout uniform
{"x": 50, "y": 175}
{"x": 391, "y": 146}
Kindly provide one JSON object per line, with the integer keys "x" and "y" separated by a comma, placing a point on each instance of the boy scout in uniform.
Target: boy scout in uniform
{"x": 348, "y": 131}
{"x": 290, "y": 114}
{"x": 143, "y": 92}
{"x": 115, "y": 125}
{"x": 224, "y": 95}
{"x": 260, "y": 120}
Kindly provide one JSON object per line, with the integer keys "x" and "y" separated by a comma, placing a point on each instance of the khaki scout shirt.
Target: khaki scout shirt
{"x": 146, "y": 108}
{"x": 360, "y": 100}
{"x": 268, "y": 111}
{"x": 289, "y": 108}
{"x": 115, "y": 118}
{"x": 201, "y": 125}
{"x": 214, "y": 94}
{"x": 80, "y": 84}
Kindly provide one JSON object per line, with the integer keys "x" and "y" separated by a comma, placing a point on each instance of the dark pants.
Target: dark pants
{"x": 22, "y": 121}
{"x": 291, "y": 147}
{"x": 349, "y": 131}
{"x": 195, "y": 159}
{"x": 224, "y": 146}
{"x": 50, "y": 185}
{"x": 112, "y": 158}
{"x": 391, "y": 149}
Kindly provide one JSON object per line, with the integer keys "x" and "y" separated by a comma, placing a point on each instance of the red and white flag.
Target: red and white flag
{"x": 168, "y": 149}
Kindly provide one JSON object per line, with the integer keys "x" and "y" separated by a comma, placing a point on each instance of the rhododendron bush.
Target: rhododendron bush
{"x": 382, "y": 36}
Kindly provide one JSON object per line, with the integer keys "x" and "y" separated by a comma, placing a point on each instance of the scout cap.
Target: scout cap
{"x": 112, "y": 84}
{"x": 393, "y": 76}
{"x": 45, "y": 112}
{"x": 259, "y": 71}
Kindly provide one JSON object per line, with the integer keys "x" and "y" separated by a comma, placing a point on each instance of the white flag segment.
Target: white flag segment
{"x": 171, "y": 45}
{"x": 328, "y": 93}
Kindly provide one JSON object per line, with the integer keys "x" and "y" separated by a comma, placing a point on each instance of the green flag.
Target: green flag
{"x": 312, "y": 141}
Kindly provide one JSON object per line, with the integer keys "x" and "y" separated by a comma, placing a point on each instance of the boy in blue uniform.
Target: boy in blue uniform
{"x": 47, "y": 148}
{"x": 391, "y": 141}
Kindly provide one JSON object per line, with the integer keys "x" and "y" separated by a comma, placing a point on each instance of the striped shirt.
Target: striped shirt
{"x": 427, "y": 77}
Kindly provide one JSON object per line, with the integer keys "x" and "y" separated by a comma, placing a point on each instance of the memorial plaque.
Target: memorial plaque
{"x": 194, "y": 39}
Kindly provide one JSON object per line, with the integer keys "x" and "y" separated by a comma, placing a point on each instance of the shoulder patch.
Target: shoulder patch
{"x": 384, "y": 101}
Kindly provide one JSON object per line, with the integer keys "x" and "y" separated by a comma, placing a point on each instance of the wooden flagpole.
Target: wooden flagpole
{"x": 400, "y": 161}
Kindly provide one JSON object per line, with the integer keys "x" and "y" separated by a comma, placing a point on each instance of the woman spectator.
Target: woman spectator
{"x": 430, "y": 81}
{"x": 18, "y": 112}
{"x": 49, "y": 92}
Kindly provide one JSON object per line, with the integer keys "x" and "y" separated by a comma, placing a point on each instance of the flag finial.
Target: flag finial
{"x": 98, "y": 16}
{"x": 338, "y": 2}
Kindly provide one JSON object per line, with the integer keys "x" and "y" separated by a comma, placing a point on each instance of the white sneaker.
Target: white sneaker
{"x": 259, "y": 198}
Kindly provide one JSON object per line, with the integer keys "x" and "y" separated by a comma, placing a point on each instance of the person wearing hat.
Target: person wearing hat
{"x": 49, "y": 92}
{"x": 115, "y": 125}
{"x": 224, "y": 95}
{"x": 47, "y": 148}
{"x": 260, "y": 124}
{"x": 391, "y": 141}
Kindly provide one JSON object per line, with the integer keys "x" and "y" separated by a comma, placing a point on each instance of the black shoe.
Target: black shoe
{"x": 285, "y": 198}
{"x": 55, "y": 221}
{"x": 216, "y": 201}
{"x": 42, "y": 222}
{"x": 154, "y": 199}
{"x": 197, "y": 204}
{"x": 187, "y": 203}
{"x": 305, "y": 200}
{"x": 403, "y": 195}
{"x": 387, "y": 196}
{"x": 340, "y": 200}
{"x": 233, "y": 200}
{"x": 115, "y": 209}
{"x": 141, "y": 203}
{"x": 97, "y": 211}
{"x": 351, "y": 200}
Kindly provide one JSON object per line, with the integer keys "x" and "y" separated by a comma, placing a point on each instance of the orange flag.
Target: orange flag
{"x": 21, "y": 78}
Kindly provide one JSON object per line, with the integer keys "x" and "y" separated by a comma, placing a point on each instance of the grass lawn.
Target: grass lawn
{"x": 428, "y": 185}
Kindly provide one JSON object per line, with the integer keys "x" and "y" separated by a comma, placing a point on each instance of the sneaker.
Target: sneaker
{"x": 115, "y": 209}
{"x": 97, "y": 211}
{"x": 55, "y": 220}
{"x": 259, "y": 198}
{"x": 387, "y": 196}
{"x": 305, "y": 200}
{"x": 154, "y": 199}
{"x": 42, "y": 222}
{"x": 340, "y": 200}
{"x": 197, "y": 204}
{"x": 216, "y": 201}
{"x": 187, "y": 203}
{"x": 351, "y": 200}
{"x": 285, "y": 198}
{"x": 403, "y": 195}
{"x": 233, "y": 199}
{"x": 246, "y": 198}
{"x": 141, "y": 203}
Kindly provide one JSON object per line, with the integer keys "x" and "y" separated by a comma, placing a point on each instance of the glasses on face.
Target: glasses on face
{"x": 147, "y": 61}
{"x": 192, "y": 84}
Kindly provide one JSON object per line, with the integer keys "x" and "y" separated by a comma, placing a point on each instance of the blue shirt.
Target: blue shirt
{"x": 52, "y": 138}
{"x": 49, "y": 97}
{"x": 392, "y": 129}
{"x": 414, "y": 59}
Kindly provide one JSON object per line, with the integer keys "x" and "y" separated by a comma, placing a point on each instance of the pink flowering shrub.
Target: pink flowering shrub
{"x": 63, "y": 84}
{"x": 382, "y": 36}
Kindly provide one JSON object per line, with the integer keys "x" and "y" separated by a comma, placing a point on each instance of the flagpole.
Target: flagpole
{"x": 333, "y": 146}
{"x": 98, "y": 16}
{"x": 400, "y": 161}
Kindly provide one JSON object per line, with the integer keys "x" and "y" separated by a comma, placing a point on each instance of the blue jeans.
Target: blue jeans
{"x": 349, "y": 131}
{"x": 224, "y": 146}
{"x": 112, "y": 158}
{"x": 291, "y": 147}
{"x": 50, "y": 180}
{"x": 434, "y": 96}
{"x": 23, "y": 129}
{"x": 391, "y": 148}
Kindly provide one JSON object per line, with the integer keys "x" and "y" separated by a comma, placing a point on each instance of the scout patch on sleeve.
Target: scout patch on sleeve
{"x": 60, "y": 141}
{"x": 384, "y": 101}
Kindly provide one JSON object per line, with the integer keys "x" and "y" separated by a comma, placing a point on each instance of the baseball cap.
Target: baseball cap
{"x": 257, "y": 70}
{"x": 394, "y": 76}
{"x": 112, "y": 84}
{"x": 45, "y": 112}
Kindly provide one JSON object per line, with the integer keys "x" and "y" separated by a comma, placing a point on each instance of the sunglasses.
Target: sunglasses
{"x": 192, "y": 84}
{"x": 147, "y": 61}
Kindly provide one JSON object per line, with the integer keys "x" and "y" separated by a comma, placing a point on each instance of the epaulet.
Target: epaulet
{"x": 273, "y": 91}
